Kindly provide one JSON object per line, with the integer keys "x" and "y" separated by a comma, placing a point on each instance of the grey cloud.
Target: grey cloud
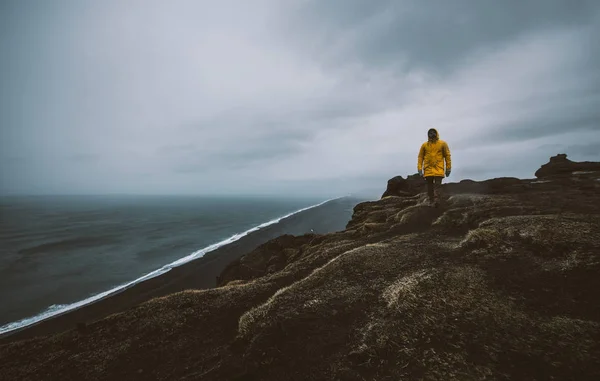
{"x": 535, "y": 128}
{"x": 312, "y": 96}
{"x": 84, "y": 158}
{"x": 545, "y": 116}
{"x": 587, "y": 150}
{"x": 174, "y": 149}
{"x": 554, "y": 146}
{"x": 190, "y": 168}
{"x": 259, "y": 136}
{"x": 15, "y": 159}
{"x": 238, "y": 154}
{"x": 298, "y": 120}
{"x": 437, "y": 35}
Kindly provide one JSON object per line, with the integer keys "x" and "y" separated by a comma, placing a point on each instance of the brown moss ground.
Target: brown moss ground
{"x": 500, "y": 283}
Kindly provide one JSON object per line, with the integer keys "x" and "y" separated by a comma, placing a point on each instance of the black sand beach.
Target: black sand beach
{"x": 198, "y": 274}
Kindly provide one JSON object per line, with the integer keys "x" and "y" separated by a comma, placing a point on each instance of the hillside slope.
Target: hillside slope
{"x": 501, "y": 282}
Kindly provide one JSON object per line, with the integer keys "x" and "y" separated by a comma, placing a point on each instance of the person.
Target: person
{"x": 432, "y": 155}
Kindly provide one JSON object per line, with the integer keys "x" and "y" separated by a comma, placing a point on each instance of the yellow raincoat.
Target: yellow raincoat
{"x": 432, "y": 155}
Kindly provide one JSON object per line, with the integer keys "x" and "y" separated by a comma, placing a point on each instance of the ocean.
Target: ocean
{"x": 61, "y": 252}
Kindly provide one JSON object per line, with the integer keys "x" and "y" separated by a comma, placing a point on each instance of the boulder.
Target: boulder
{"x": 399, "y": 186}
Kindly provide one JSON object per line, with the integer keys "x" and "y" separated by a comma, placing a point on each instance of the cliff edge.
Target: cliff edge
{"x": 501, "y": 282}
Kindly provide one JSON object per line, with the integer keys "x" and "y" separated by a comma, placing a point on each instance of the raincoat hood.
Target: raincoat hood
{"x": 437, "y": 134}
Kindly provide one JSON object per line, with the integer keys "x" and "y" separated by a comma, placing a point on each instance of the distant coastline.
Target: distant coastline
{"x": 197, "y": 270}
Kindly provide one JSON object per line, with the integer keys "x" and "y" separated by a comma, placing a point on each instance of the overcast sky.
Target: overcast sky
{"x": 291, "y": 97}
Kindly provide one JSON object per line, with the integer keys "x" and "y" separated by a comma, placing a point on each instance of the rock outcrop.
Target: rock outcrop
{"x": 560, "y": 166}
{"x": 268, "y": 258}
{"x": 501, "y": 282}
{"x": 399, "y": 186}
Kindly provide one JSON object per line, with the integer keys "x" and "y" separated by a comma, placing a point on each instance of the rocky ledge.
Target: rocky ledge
{"x": 501, "y": 282}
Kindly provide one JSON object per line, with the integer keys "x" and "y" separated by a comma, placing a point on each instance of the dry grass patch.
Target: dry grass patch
{"x": 549, "y": 236}
{"x": 468, "y": 200}
{"x": 485, "y": 240}
{"x": 320, "y": 285}
{"x": 442, "y": 325}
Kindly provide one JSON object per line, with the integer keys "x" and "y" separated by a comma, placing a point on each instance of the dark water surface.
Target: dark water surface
{"x": 57, "y": 250}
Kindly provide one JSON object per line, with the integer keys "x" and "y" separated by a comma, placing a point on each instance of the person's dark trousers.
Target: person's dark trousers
{"x": 433, "y": 188}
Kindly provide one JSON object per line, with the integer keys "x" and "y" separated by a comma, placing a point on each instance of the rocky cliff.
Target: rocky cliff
{"x": 501, "y": 282}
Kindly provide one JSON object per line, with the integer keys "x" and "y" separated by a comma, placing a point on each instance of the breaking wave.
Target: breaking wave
{"x": 59, "y": 309}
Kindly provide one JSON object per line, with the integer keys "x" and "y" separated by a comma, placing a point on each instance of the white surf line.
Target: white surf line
{"x": 55, "y": 310}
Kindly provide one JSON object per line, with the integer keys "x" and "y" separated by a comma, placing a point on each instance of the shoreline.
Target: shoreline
{"x": 197, "y": 273}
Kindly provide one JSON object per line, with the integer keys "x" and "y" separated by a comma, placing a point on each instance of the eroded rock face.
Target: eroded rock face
{"x": 399, "y": 186}
{"x": 266, "y": 259}
{"x": 501, "y": 282}
{"x": 560, "y": 166}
